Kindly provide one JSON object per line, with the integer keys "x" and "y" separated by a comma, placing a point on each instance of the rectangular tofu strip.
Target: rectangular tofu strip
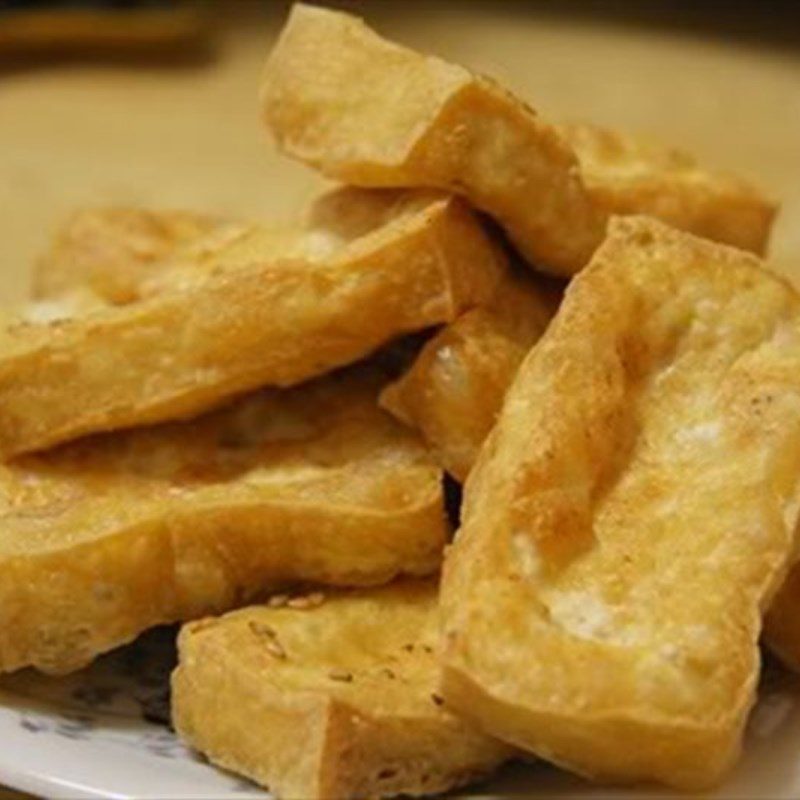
{"x": 333, "y": 701}
{"x": 632, "y": 515}
{"x": 454, "y": 390}
{"x": 104, "y": 538}
{"x": 258, "y": 307}
{"x": 419, "y": 121}
{"x": 625, "y": 175}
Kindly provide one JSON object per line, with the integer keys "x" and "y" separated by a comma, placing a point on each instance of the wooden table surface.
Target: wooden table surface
{"x": 88, "y": 133}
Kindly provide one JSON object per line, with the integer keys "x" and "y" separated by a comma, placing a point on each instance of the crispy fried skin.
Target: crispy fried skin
{"x": 111, "y": 535}
{"x": 336, "y": 701}
{"x": 632, "y": 514}
{"x": 419, "y": 121}
{"x": 454, "y": 390}
{"x": 256, "y": 307}
{"x": 627, "y": 176}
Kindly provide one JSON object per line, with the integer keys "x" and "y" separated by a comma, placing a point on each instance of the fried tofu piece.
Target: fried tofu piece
{"x": 420, "y": 121}
{"x": 106, "y": 537}
{"x": 627, "y": 176}
{"x": 454, "y": 389}
{"x": 632, "y": 514}
{"x": 258, "y": 307}
{"x": 335, "y": 701}
{"x": 372, "y": 113}
{"x": 113, "y": 251}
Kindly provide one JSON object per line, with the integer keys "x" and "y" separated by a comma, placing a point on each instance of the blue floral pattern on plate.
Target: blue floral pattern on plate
{"x": 123, "y": 698}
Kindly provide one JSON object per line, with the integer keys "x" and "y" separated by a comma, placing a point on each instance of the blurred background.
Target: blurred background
{"x": 156, "y": 102}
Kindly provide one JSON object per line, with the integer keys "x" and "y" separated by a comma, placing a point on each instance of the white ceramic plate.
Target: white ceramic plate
{"x": 103, "y": 733}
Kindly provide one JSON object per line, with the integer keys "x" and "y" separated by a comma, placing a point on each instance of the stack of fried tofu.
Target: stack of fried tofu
{"x": 202, "y": 416}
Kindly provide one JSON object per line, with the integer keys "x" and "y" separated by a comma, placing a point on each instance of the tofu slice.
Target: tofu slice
{"x": 112, "y": 251}
{"x": 454, "y": 390}
{"x": 334, "y": 701}
{"x": 109, "y": 536}
{"x": 418, "y": 121}
{"x": 625, "y": 175}
{"x": 632, "y": 515}
{"x": 260, "y": 307}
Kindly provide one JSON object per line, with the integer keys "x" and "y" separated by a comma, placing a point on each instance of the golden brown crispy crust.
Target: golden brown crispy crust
{"x": 631, "y": 515}
{"x": 112, "y": 251}
{"x": 454, "y": 390}
{"x": 256, "y": 307}
{"x": 106, "y": 537}
{"x": 419, "y": 121}
{"x": 336, "y": 701}
{"x": 627, "y": 176}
